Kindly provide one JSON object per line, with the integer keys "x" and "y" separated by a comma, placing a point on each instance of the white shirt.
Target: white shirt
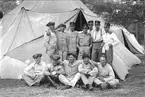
{"x": 106, "y": 72}
{"x": 110, "y": 38}
{"x": 96, "y": 35}
{"x": 35, "y": 68}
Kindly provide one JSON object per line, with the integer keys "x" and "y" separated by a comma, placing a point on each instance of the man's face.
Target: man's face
{"x": 103, "y": 61}
{"x": 97, "y": 26}
{"x": 54, "y": 62}
{"x": 72, "y": 28}
{"x": 52, "y": 27}
{"x": 86, "y": 60}
{"x": 85, "y": 30}
{"x": 71, "y": 58}
{"x": 38, "y": 60}
{"x": 90, "y": 26}
{"x": 106, "y": 28}
{"x": 62, "y": 29}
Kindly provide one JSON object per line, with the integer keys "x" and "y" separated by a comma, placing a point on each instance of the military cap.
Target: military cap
{"x": 97, "y": 22}
{"x": 35, "y": 56}
{"x": 72, "y": 23}
{"x": 62, "y": 25}
{"x": 50, "y": 24}
{"x": 55, "y": 57}
{"x": 85, "y": 27}
{"x": 72, "y": 54}
{"x": 103, "y": 55}
{"x": 107, "y": 24}
{"x": 90, "y": 22}
{"x": 85, "y": 56}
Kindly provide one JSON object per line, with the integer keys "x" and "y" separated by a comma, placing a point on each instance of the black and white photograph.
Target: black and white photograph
{"x": 72, "y": 48}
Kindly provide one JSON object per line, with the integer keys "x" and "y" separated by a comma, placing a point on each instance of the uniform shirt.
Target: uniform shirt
{"x": 50, "y": 41}
{"x": 90, "y": 67}
{"x": 84, "y": 39}
{"x": 90, "y": 31}
{"x": 70, "y": 69}
{"x": 96, "y": 35}
{"x": 35, "y": 68}
{"x": 58, "y": 68}
{"x": 72, "y": 45}
{"x": 106, "y": 72}
{"x": 62, "y": 41}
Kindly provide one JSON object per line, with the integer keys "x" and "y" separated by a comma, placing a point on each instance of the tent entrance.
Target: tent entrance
{"x": 80, "y": 21}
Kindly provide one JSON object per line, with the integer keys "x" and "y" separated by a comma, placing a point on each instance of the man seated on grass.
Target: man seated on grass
{"x": 53, "y": 70}
{"x": 72, "y": 75}
{"x": 88, "y": 71}
{"x": 106, "y": 75}
{"x": 33, "y": 74}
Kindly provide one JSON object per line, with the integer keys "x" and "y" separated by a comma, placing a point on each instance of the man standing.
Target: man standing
{"x": 53, "y": 70}
{"x": 110, "y": 40}
{"x": 72, "y": 36}
{"x": 97, "y": 42}
{"x": 106, "y": 75}
{"x": 62, "y": 41}
{"x": 71, "y": 71}
{"x": 50, "y": 39}
{"x": 33, "y": 74}
{"x": 88, "y": 71}
{"x": 90, "y": 25}
{"x": 84, "y": 42}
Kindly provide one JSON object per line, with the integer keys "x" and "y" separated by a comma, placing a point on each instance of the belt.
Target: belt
{"x": 97, "y": 41}
{"x": 84, "y": 45}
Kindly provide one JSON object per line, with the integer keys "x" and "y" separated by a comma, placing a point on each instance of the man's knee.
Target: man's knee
{"x": 113, "y": 83}
{"x": 61, "y": 76}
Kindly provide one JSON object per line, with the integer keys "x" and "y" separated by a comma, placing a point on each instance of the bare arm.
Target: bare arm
{"x": 91, "y": 41}
{"x": 78, "y": 41}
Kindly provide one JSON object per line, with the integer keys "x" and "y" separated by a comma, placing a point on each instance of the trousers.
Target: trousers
{"x": 69, "y": 80}
{"x": 31, "y": 81}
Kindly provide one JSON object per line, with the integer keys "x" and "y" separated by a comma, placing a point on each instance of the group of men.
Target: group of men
{"x": 77, "y": 58}
{"x": 91, "y": 41}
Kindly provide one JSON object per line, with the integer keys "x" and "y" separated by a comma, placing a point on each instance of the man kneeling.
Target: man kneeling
{"x": 71, "y": 71}
{"x": 88, "y": 71}
{"x": 106, "y": 75}
{"x": 33, "y": 74}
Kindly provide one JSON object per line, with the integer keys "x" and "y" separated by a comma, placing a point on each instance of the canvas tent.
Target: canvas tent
{"x": 23, "y": 28}
{"x": 128, "y": 40}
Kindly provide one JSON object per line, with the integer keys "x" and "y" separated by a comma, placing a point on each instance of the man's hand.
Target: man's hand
{"x": 102, "y": 79}
{"x": 33, "y": 76}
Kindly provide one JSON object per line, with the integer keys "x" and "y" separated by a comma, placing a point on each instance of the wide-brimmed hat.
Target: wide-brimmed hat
{"x": 35, "y": 56}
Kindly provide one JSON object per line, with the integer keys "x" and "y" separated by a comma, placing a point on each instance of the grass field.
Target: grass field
{"x": 134, "y": 86}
